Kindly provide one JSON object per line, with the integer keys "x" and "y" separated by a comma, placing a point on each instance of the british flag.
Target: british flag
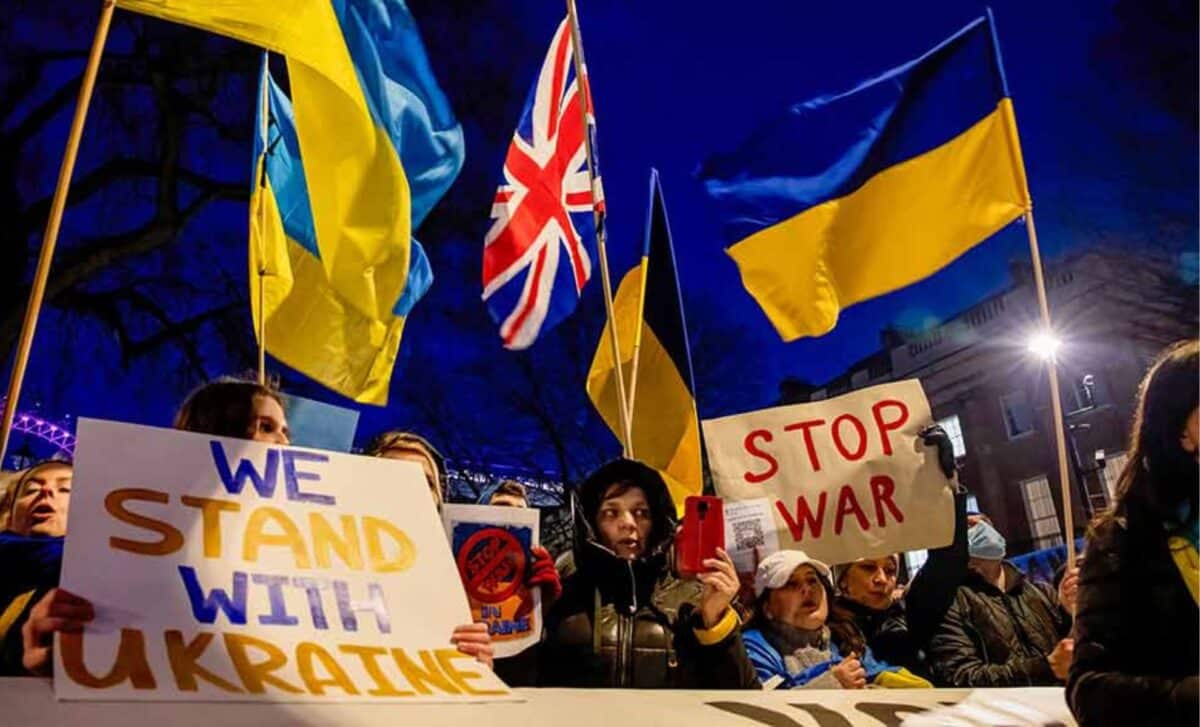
{"x": 538, "y": 253}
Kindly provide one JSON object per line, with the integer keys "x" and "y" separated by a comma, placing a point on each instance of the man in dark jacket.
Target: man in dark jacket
{"x": 1002, "y": 630}
{"x": 623, "y": 619}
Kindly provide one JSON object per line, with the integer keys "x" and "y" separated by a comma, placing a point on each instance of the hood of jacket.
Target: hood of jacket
{"x": 621, "y": 580}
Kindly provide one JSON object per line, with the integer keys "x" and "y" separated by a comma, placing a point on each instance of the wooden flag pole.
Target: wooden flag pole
{"x": 637, "y": 339}
{"x": 601, "y": 235}
{"x": 262, "y": 268}
{"x": 50, "y": 238}
{"x": 1039, "y": 280}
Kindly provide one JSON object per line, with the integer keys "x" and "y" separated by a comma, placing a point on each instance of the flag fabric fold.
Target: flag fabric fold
{"x": 853, "y": 195}
{"x": 332, "y": 205}
{"x": 648, "y": 307}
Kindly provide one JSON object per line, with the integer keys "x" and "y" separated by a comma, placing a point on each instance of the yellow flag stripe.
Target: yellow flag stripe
{"x": 904, "y": 224}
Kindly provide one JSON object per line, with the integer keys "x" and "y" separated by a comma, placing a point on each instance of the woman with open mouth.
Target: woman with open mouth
{"x": 792, "y": 643}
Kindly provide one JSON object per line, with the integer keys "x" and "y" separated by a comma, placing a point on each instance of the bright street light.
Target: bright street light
{"x": 1044, "y": 345}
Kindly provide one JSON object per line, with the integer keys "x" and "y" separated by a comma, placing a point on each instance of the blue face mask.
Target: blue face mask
{"x": 984, "y": 542}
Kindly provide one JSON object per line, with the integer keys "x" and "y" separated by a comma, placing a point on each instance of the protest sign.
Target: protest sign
{"x": 749, "y": 533}
{"x": 223, "y": 569}
{"x": 491, "y": 549}
{"x": 845, "y": 478}
{"x": 28, "y": 703}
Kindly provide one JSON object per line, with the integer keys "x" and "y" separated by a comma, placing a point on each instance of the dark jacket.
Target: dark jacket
{"x": 632, "y": 624}
{"x": 900, "y": 634}
{"x": 1137, "y": 646}
{"x": 29, "y": 568}
{"x": 991, "y": 638}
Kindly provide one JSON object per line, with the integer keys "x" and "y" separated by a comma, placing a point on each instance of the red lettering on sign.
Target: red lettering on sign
{"x": 804, "y": 516}
{"x": 882, "y": 489}
{"x": 848, "y": 505}
{"x": 772, "y": 465}
{"x": 841, "y": 445}
{"x": 888, "y": 426}
{"x": 806, "y": 427}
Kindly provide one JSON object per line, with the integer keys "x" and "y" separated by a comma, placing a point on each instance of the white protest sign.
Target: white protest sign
{"x": 845, "y": 478}
{"x": 749, "y": 533}
{"x": 223, "y": 569}
{"x": 491, "y": 549}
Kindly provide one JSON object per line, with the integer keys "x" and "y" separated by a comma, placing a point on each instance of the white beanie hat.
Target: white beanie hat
{"x": 776, "y": 569}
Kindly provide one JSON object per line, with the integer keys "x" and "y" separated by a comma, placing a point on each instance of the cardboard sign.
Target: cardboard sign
{"x": 845, "y": 478}
{"x": 491, "y": 549}
{"x": 223, "y": 569}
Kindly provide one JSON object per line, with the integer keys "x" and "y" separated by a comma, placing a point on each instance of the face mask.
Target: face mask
{"x": 984, "y": 542}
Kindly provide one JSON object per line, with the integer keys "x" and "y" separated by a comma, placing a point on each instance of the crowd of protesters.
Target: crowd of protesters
{"x": 1121, "y": 635}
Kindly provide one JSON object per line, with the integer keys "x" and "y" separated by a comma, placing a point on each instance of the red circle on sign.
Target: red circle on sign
{"x": 486, "y": 557}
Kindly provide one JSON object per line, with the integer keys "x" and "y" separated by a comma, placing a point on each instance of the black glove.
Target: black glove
{"x": 934, "y": 436}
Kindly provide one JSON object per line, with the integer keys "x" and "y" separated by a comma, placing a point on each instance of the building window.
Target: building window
{"x": 913, "y": 560}
{"x": 1085, "y": 392}
{"x": 1018, "y": 415}
{"x": 954, "y": 429}
{"x": 1043, "y": 517}
{"x": 1114, "y": 464}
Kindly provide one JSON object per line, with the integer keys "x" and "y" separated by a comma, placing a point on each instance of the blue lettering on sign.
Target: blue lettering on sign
{"x": 292, "y": 477}
{"x": 264, "y": 482}
{"x": 312, "y": 588}
{"x": 205, "y": 607}
{"x": 279, "y": 615}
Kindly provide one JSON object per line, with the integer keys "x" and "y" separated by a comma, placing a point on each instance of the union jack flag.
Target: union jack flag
{"x": 538, "y": 253}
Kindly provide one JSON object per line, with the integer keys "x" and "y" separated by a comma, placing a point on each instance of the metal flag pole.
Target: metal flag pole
{"x": 601, "y": 235}
{"x": 50, "y": 239}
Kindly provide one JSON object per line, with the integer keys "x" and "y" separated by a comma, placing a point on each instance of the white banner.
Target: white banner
{"x": 28, "y": 702}
{"x": 223, "y": 569}
{"x": 843, "y": 478}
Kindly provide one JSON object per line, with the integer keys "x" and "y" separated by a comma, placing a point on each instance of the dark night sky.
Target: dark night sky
{"x": 1105, "y": 95}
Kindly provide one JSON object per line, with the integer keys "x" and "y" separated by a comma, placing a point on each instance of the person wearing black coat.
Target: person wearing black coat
{"x": 1137, "y": 643}
{"x": 624, "y": 620}
{"x": 898, "y": 629}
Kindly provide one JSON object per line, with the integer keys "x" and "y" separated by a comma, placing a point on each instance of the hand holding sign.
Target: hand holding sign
{"x": 57, "y": 611}
{"x": 845, "y": 478}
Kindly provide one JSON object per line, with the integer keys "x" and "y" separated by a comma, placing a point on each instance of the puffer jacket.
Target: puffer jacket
{"x": 900, "y": 633}
{"x": 994, "y": 638}
{"x": 632, "y": 624}
{"x": 1137, "y": 643}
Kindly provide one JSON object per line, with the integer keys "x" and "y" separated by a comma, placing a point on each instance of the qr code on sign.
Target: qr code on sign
{"x": 748, "y": 535}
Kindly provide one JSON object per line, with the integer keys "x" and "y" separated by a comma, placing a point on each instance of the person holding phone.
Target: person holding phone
{"x": 624, "y": 619}
{"x": 792, "y": 642}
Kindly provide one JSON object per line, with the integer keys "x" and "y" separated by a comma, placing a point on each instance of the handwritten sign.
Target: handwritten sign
{"x": 491, "y": 548}
{"x": 844, "y": 478}
{"x": 223, "y": 569}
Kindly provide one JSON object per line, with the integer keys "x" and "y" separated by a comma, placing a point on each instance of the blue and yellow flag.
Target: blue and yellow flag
{"x": 332, "y": 217}
{"x": 649, "y": 315}
{"x": 854, "y": 195}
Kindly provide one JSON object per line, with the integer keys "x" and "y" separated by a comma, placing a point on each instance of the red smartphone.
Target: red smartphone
{"x": 702, "y": 533}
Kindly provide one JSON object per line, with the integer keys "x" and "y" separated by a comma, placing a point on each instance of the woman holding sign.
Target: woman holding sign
{"x": 624, "y": 620}
{"x": 1136, "y": 641}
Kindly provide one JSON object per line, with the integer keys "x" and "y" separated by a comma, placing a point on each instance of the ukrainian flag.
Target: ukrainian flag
{"x": 854, "y": 195}
{"x": 332, "y": 215}
{"x": 648, "y": 311}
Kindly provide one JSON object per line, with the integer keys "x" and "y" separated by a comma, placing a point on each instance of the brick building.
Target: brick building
{"x": 1113, "y": 313}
